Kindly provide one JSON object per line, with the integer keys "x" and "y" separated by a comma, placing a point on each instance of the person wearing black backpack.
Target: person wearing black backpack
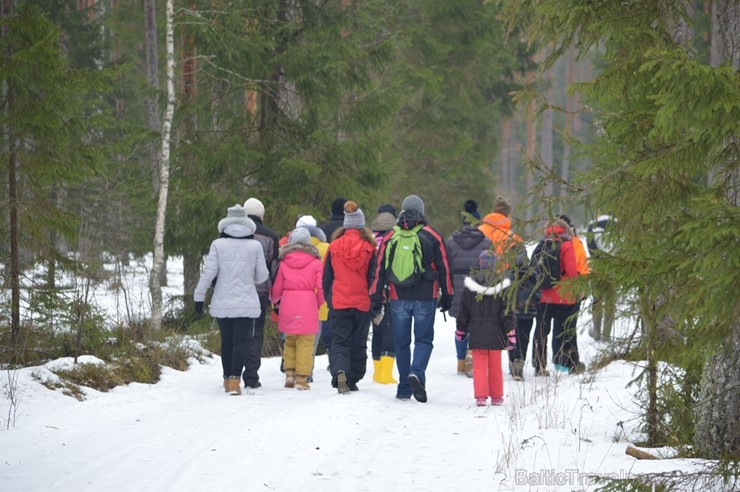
{"x": 269, "y": 241}
{"x": 556, "y": 309}
{"x": 413, "y": 301}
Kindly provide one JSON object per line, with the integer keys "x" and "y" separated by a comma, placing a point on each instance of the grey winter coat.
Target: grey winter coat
{"x": 463, "y": 247}
{"x": 485, "y": 319}
{"x": 239, "y": 264}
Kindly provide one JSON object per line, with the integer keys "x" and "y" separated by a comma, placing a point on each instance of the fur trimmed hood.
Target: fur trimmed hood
{"x": 245, "y": 224}
{"x": 559, "y": 229}
{"x": 473, "y": 286}
{"x": 306, "y": 248}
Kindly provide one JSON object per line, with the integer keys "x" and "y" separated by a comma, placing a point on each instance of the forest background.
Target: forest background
{"x": 626, "y": 108}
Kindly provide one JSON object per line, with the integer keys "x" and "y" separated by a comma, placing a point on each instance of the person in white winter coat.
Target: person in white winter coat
{"x": 237, "y": 263}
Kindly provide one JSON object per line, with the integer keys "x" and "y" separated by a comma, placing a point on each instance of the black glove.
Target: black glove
{"x": 276, "y": 308}
{"x": 199, "y": 307}
{"x": 445, "y": 303}
{"x": 376, "y": 302}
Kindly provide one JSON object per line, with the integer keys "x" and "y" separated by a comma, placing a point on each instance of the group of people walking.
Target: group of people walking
{"x": 392, "y": 276}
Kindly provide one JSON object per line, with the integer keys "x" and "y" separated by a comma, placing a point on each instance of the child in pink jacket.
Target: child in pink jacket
{"x": 296, "y": 296}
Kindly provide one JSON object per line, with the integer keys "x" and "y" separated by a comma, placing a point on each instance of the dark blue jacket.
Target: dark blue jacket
{"x": 464, "y": 247}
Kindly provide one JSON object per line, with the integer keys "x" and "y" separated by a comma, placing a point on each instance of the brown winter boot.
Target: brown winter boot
{"x": 235, "y": 385}
{"x": 469, "y": 364}
{"x": 289, "y": 378}
{"x": 226, "y": 385}
{"x": 342, "y": 386}
{"x": 301, "y": 383}
{"x": 460, "y": 367}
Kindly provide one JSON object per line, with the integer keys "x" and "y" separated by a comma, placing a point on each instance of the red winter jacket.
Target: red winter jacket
{"x": 348, "y": 265}
{"x": 568, "y": 264}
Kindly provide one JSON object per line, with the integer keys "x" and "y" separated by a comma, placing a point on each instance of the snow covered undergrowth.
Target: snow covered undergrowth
{"x": 184, "y": 433}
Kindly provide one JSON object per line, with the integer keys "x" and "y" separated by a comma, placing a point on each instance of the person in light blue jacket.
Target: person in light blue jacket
{"x": 236, "y": 263}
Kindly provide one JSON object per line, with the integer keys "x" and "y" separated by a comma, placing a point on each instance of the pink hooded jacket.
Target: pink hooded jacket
{"x": 298, "y": 290}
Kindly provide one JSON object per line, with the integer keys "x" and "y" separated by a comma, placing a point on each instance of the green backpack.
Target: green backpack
{"x": 403, "y": 257}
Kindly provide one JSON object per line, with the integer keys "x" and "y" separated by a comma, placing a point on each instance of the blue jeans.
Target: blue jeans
{"x": 461, "y": 347}
{"x": 422, "y": 314}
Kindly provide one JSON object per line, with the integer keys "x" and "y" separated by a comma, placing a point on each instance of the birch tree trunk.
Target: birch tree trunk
{"x": 164, "y": 177}
{"x": 152, "y": 77}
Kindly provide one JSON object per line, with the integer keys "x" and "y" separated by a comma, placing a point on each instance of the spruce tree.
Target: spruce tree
{"x": 457, "y": 66}
{"x": 666, "y": 122}
{"x": 53, "y": 120}
{"x": 287, "y": 108}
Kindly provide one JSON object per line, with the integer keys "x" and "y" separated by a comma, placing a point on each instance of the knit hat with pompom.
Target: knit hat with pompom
{"x": 502, "y": 206}
{"x": 353, "y": 216}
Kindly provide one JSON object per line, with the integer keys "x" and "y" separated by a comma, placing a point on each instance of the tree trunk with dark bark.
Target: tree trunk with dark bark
{"x": 14, "y": 263}
{"x": 717, "y": 433}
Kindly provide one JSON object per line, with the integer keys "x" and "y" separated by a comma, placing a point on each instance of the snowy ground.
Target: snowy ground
{"x": 185, "y": 434}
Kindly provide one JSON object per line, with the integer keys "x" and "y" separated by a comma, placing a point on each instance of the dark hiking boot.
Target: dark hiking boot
{"x": 420, "y": 393}
{"x": 517, "y": 369}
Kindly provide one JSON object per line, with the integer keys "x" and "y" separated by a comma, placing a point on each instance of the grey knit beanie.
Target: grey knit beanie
{"x": 413, "y": 202}
{"x": 353, "y": 216}
{"x": 300, "y": 235}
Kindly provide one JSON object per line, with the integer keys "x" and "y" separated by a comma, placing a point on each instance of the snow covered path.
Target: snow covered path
{"x": 185, "y": 434}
